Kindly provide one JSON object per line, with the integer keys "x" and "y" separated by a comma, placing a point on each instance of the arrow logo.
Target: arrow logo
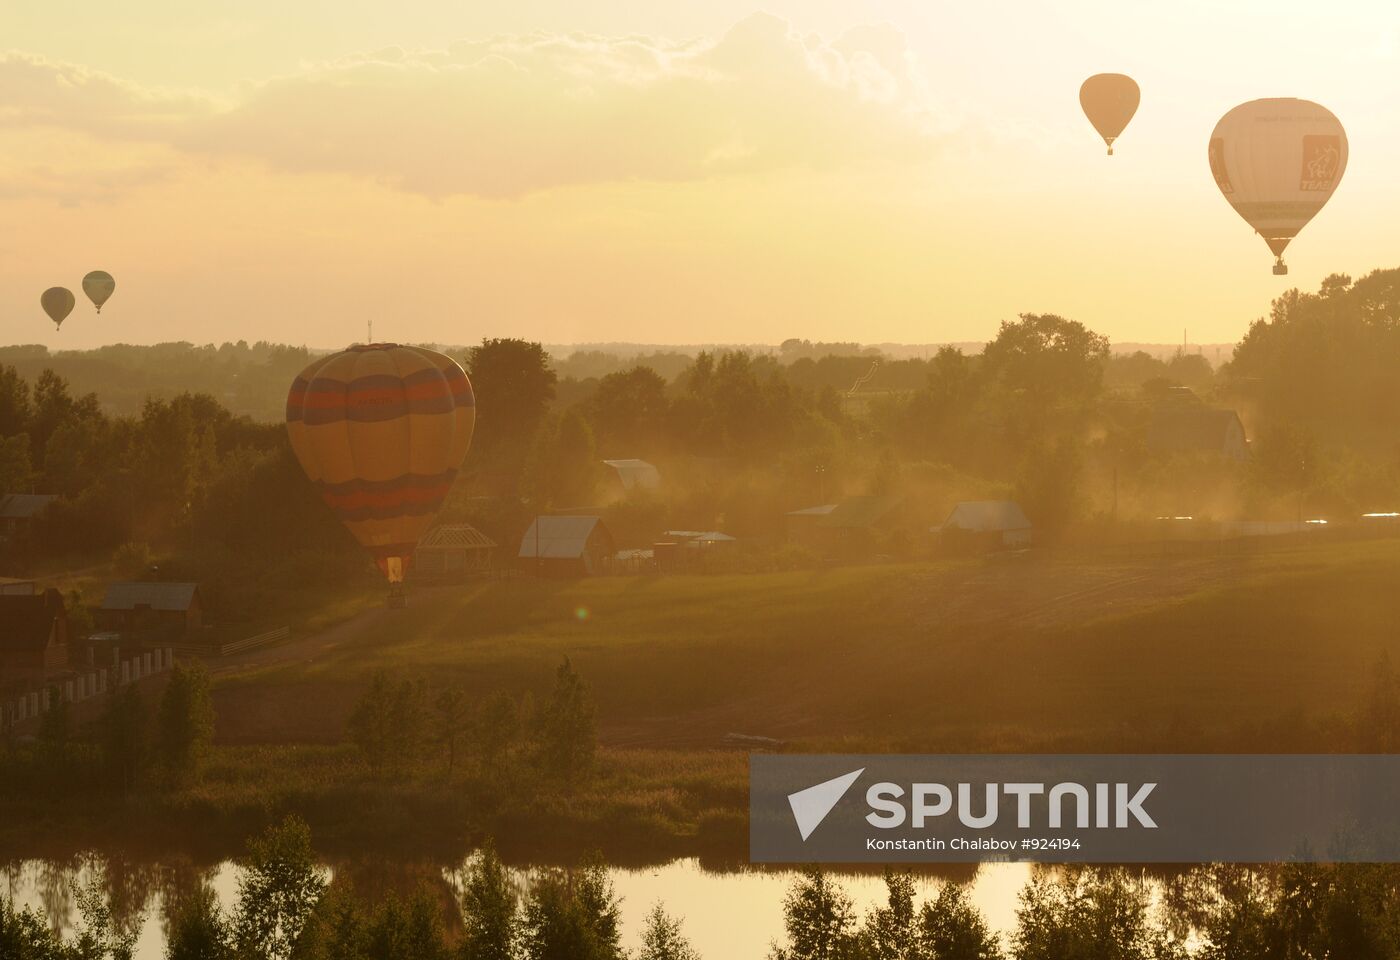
{"x": 810, "y": 806}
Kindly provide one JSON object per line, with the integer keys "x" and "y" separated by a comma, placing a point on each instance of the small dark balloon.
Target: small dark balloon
{"x": 1109, "y": 101}
{"x": 57, "y": 303}
{"x": 98, "y": 286}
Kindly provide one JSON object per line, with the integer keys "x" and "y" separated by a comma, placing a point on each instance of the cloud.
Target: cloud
{"x": 512, "y": 115}
{"x": 38, "y": 92}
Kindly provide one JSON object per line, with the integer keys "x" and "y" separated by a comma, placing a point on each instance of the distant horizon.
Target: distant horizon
{"x": 720, "y": 172}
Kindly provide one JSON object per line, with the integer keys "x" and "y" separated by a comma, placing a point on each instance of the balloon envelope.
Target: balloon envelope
{"x": 1277, "y": 163}
{"x": 98, "y": 286}
{"x": 57, "y": 303}
{"x": 381, "y": 430}
{"x": 1109, "y": 101}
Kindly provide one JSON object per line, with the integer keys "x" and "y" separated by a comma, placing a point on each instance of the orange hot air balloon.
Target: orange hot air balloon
{"x": 381, "y": 430}
{"x": 1109, "y": 101}
{"x": 57, "y": 303}
{"x": 1277, "y": 163}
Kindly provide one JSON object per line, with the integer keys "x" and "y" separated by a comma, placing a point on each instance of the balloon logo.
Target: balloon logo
{"x": 1109, "y": 101}
{"x": 98, "y": 286}
{"x": 57, "y": 303}
{"x": 381, "y": 430}
{"x": 1277, "y": 162}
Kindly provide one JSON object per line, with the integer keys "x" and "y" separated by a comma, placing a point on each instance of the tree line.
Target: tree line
{"x": 289, "y": 908}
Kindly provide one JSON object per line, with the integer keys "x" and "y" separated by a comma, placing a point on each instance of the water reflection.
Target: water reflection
{"x": 725, "y": 915}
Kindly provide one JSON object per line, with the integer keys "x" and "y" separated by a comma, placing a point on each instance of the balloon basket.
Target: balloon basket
{"x": 398, "y": 599}
{"x": 1280, "y": 269}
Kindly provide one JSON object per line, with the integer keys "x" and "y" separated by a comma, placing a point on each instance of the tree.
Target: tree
{"x": 1380, "y": 722}
{"x": 515, "y": 384}
{"x": 1088, "y": 914}
{"x": 388, "y": 723}
{"x": 1048, "y": 358}
{"x": 15, "y": 409}
{"x": 951, "y": 928}
{"x": 497, "y": 722}
{"x": 1050, "y": 485}
{"x": 662, "y": 938}
{"x": 890, "y": 932}
{"x": 278, "y": 891}
{"x": 565, "y": 729}
{"x": 572, "y": 918}
{"x": 628, "y": 412}
{"x": 819, "y": 920}
{"x": 185, "y": 723}
{"x": 451, "y": 720}
{"x": 125, "y": 737}
{"x": 198, "y": 930}
{"x": 16, "y": 469}
{"x": 488, "y": 902}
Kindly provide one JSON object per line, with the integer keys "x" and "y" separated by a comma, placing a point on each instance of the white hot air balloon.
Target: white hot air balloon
{"x": 1277, "y": 163}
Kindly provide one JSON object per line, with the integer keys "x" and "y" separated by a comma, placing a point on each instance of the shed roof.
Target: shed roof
{"x": 26, "y": 622}
{"x": 699, "y": 536}
{"x": 636, "y": 474}
{"x": 24, "y": 506}
{"x": 985, "y": 516}
{"x": 860, "y": 512}
{"x": 559, "y": 538}
{"x": 820, "y": 511}
{"x": 456, "y": 535}
{"x": 157, "y": 596}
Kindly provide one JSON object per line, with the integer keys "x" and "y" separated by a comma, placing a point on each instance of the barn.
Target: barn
{"x": 632, "y": 476}
{"x": 566, "y": 547}
{"x": 986, "y": 524}
{"x": 1183, "y": 428}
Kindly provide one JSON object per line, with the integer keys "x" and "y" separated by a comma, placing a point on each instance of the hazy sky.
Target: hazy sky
{"x": 664, "y": 172}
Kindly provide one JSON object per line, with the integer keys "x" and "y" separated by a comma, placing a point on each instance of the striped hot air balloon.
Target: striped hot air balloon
{"x": 381, "y": 430}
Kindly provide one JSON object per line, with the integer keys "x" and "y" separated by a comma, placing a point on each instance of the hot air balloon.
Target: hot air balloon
{"x": 1109, "y": 101}
{"x": 98, "y": 286}
{"x": 381, "y": 430}
{"x": 1277, "y": 162}
{"x": 57, "y": 303}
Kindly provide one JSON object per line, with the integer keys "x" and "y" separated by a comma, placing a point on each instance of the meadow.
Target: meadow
{"x": 1066, "y": 651}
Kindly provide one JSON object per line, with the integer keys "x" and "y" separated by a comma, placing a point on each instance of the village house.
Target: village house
{"x": 20, "y": 511}
{"x": 167, "y": 609}
{"x": 33, "y": 635}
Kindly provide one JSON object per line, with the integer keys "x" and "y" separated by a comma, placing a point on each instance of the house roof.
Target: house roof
{"x": 24, "y": 506}
{"x": 983, "y": 516}
{"x": 821, "y": 511}
{"x": 559, "y": 538}
{"x": 858, "y": 512}
{"x": 26, "y": 622}
{"x": 699, "y": 536}
{"x": 1191, "y": 427}
{"x": 636, "y": 474}
{"x": 157, "y": 596}
{"x": 456, "y": 535}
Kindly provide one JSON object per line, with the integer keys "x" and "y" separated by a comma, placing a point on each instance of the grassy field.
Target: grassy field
{"x": 952, "y": 655}
{"x": 1270, "y": 651}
